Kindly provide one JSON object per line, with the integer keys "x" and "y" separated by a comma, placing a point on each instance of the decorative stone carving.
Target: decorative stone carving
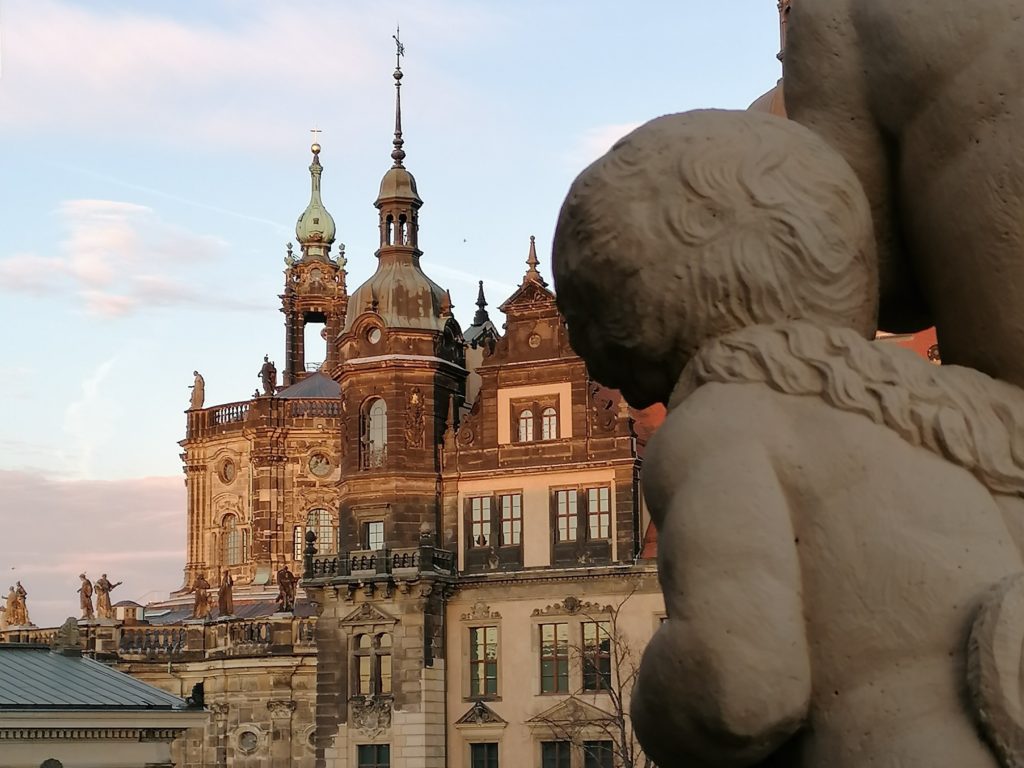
{"x": 372, "y": 716}
{"x": 368, "y": 613}
{"x": 68, "y": 639}
{"x": 414, "y": 419}
{"x": 480, "y": 714}
{"x": 832, "y": 512}
{"x": 480, "y": 611}
{"x": 198, "y": 391}
{"x": 281, "y": 708}
{"x": 570, "y": 606}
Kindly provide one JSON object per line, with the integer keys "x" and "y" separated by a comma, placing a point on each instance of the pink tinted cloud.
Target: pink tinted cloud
{"x": 54, "y": 529}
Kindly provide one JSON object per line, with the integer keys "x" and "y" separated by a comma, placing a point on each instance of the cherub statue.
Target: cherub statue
{"x": 832, "y": 513}
{"x": 924, "y": 100}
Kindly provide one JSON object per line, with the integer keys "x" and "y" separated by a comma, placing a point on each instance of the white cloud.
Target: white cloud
{"x": 233, "y": 82}
{"x": 87, "y": 420}
{"x": 119, "y": 258}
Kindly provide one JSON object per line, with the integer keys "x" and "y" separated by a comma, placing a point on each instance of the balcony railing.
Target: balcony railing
{"x": 362, "y": 563}
{"x": 262, "y": 411}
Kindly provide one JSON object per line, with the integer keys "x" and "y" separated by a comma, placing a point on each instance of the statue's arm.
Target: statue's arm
{"x": 727, "y": 679}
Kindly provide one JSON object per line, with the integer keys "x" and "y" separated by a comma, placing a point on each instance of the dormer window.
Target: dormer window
{"x": 535, "y": 419}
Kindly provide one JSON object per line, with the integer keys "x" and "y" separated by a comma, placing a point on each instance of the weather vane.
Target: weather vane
{"x": 399, "y": 48}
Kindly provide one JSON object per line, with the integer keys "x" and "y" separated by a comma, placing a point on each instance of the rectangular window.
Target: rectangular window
{"x": 554, "y": 658}
{"x": 597, "y": 656}
{"x": 374, "y": 531}
{"x": 384, "y": 659}
{"x": 245, "y": 545}
{"x": 373, "y": 756}
{"x": 365, "y": 676}
{"x": 556, "y": 754}
{"x": 566, "y": 518}
{"x": 598, "y": 754}
{"x": 480, "y": 521}
{"x": 511, "y": 505}
{"x": 483, "y": 755}
{"x": 599, "y": 515}
{"x": 298, "y": 542}
{"x": 483, "y": 661}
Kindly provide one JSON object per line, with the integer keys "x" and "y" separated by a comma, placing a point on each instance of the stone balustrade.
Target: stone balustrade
{"x": 404, "y": 561}
{"x": 190, "y": 640}
{"x": 261, "y": 411}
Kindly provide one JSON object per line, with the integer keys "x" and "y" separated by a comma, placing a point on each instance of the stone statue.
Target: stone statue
{"x": 15, "y": 614}
{"x": 268, "y": 375}
{"x": 225, "y": 596}
{"x": 286, "y": 590}
{"x": 923, "y": 99}
{"x": 103, "y": 588}
{"x": 85, "y": 598}
{"x": 201, "y": 602}
{"x": 839, "y": 537}
{"x": 22, "y": 603}
{"x": 198, "y": 391}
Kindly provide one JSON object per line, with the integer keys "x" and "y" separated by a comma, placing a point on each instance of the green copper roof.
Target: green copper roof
{"x": 315, "y": 228}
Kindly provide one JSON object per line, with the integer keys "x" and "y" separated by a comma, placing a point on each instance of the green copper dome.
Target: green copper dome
{"x": 315, "y": 228}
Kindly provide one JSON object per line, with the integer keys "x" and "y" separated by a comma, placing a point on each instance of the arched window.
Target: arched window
{"x": 321, "y": 522}
{"x": 526, "y": 426}
{"x": 372, "y": 656}
{"x": 549, "y": 424}
{"x": 389, "y": 230}
{"x": 232, "y": 538}
{"x": 375, "y": 437}
{"x": 403, "y": 230}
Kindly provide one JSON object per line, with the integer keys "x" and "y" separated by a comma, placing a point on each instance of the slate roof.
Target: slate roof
{"x": 32, "y": 677}
{"x": 317, "y": 386}
{"x": 250, "y": 609}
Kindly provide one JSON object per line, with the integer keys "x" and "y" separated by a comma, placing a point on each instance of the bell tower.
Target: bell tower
{"x": 314, "y": 290}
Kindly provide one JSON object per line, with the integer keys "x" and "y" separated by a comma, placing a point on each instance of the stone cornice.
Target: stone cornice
{"x": 90, "y": 734}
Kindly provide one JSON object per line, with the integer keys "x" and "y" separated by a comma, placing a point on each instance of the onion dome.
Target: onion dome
{"x": 315, "y": 228}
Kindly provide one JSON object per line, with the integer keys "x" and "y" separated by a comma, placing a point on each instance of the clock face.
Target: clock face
{"x": 533, "y": 340}
{"x": 319, "y": 465}
{"x": 227, "y": 471}
{"x": 374, "y": 335}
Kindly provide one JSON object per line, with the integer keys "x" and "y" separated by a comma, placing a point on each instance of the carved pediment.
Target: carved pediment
{"x": 571, "y": 606}
{"x": 570, "y": 711}
{"x": 226, "y": 502}
{"x": 530, "y": 294}
{"x": 481, "y": 714}
{"x": 480, "y": 610}
{"x": 368, "y": 614}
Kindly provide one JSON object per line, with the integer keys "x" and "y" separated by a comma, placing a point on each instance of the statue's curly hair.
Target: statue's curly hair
{"x": 704, "y": 222}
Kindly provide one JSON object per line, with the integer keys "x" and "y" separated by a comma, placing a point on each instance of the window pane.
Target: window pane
{"x": 483, "y": 755}
{"x": 375, "y": 535}
{"x": 566, "y": 513}
{"x": 364, "y": 676}
{"x": 511, "y": 519}
{"x": 598, "y": 754}
{"x": 480, "y": 520}
{"x": 525, "y": 426}
{"x": 232, "y": 541}
{"x": 385, "y": 673}
{"x": 373, "y": 756}
{"x": 555, "y": 754}
{"x": 483, "y": 661}
{"x": 599, "y": 517}
{"x": 549, "y": 424}
{"x": 554, "y": 658}
{"x": 597, "y": 666}
{"x": 298, "y": 542}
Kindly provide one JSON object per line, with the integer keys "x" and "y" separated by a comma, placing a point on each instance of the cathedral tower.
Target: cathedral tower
{"x": 314, "y": 290}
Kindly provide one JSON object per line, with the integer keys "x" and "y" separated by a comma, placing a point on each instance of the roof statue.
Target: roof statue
{"x": 198, "y": 391}
{"x": 826, "y": 611}
{"x": 103, "y": 587}
{"x": 85, "y": 598}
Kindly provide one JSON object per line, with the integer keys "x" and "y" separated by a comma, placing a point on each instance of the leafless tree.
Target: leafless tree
{"x": 590, "y": 717}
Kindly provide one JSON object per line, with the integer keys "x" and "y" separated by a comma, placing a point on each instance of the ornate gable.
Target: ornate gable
{"x": 529, "y": 296}
{"x": 571, "y": 606}
{"x": 368, "y": 614}
{"x": 572, "y": 711}
{"x": 480, "y": 715}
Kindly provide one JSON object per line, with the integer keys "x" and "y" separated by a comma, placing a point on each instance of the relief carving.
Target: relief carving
{"x": 414, "y": 419}
{"x": 372, "y": 716}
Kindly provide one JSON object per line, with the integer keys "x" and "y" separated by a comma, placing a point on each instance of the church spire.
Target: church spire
{"x": 532, "y": 274}
{"x": 481, "y": 315}
{"x": 398, "y": 153}
{"x": 315, "y": 228}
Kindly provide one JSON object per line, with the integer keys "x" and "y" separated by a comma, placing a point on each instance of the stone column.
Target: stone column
{"x": 195, "y": 483}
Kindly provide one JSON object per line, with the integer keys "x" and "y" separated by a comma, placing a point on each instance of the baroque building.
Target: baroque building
{"x": 463, "y": 508}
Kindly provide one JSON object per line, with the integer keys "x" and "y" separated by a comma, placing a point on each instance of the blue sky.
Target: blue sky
{"x": 153, "y": 162}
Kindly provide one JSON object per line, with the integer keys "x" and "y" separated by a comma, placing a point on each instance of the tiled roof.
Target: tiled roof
{"x": 33, "y": 677}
